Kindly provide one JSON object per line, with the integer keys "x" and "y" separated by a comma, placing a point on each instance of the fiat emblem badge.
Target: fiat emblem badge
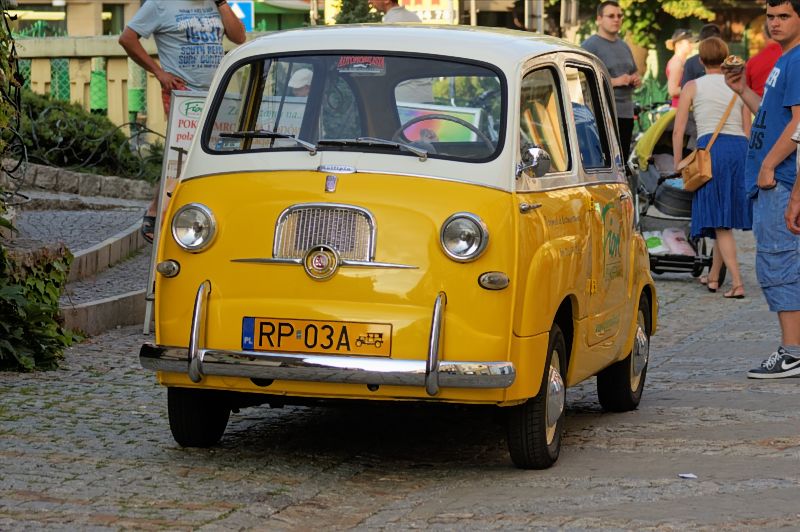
{"x": 321, "y": 262}
{"x": 330, "y": 183}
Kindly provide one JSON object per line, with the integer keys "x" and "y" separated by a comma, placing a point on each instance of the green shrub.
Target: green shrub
{"x": 31, "y": 281}
{"x": 63, "y": 134}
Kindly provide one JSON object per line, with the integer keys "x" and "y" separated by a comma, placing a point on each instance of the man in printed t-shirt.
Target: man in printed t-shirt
{"x": 188, "y": 35}
{"x": 770, "y": 174}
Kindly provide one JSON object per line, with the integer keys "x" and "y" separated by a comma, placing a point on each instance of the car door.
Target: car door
{"x": 554, "y": 233}
{"x": 611, "y": 206}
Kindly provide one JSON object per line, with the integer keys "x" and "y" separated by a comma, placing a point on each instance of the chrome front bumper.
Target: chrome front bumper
{"x": 432, "y": 373}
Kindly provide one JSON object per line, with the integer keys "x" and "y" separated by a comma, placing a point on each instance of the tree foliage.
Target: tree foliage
{"x": 644, "y": 18}
{"x": 355, "y": 12}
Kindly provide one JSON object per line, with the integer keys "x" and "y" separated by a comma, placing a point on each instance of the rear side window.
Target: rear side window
{"x": 542, "y": 118}
{"x": 589, "y": 120}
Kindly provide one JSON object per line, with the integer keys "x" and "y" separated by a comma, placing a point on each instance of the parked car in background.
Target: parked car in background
{"x": 444, "y": 217}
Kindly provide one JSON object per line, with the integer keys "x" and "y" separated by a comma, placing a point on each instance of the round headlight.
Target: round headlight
{"x": 464, "y": 237}
{"x": 193, "y": 227}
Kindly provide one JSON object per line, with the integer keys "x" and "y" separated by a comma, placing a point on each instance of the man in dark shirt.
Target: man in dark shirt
{"x": 693, "y": 68}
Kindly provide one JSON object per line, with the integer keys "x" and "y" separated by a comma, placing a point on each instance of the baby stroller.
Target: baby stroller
{"x": 664, "y": 207}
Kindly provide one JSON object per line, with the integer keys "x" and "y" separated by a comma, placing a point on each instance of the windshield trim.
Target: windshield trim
{"x": 214, "y": 103}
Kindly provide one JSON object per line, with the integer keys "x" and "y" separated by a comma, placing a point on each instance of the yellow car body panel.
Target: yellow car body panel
{"x": 548, "y": 264}
{"x": 409, "y": 213}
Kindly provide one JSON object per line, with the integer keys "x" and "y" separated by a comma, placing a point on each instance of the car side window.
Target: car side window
{"x": 589, "y": 120}
{"x": 541, "y": 119}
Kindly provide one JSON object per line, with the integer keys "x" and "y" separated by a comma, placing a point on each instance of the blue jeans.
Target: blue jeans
{"x": 777, "y": 250}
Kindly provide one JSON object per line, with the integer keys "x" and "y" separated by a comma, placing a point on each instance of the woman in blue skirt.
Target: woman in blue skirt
{"x": 722, "y": 204}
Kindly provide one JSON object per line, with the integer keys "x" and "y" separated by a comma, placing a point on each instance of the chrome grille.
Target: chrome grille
{"x": 347, "y": 229}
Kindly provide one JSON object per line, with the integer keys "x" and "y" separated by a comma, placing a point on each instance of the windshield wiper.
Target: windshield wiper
{"x": 372, "y": 141}
{"x": 263, "y": 134}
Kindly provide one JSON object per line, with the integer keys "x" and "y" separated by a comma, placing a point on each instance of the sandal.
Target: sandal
{"x": 148, "y": 227}
{"x": 704, "y": 279}
{"x": 714, "y": 282}
{"x": 736, "y": 292}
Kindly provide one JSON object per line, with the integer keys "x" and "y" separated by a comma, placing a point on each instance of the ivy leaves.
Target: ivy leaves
{"x": 31, "y": 336}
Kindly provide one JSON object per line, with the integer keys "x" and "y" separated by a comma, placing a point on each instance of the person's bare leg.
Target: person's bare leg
{"x": 790, "y": 327}
{"x": 152, "y": 209}
{"x": 716, "y": 267}
{"x": 727, "y": 247}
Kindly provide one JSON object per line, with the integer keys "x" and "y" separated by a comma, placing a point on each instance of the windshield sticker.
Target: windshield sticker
{"x": 228, "y": 144}
{"x": 362, "y": 64}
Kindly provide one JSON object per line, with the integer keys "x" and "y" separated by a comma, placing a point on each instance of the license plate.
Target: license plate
{"x": 310, "y": 336}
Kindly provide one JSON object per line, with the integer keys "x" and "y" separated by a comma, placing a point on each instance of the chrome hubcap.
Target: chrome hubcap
{"x": 556, "y": 395}
{"x": 640, "y": 354}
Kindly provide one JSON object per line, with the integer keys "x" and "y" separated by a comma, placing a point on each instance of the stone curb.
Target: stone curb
{"x": 61, "y": 180}
{"x": 102, "y": 256}
{"x": 102, "y": 315}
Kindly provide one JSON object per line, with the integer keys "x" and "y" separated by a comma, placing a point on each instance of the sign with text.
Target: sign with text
{"x": 185, "y": 111}
{"x": 245, "y": 10}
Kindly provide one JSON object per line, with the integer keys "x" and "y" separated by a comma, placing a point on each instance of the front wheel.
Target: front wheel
{"x": 535, "y": 427}
{"x": 197, "y": 418}
{"x": 620, "y": 386}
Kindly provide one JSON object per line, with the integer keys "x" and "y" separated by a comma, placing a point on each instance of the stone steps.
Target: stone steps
{"x": 113, "y": 297}
{"x": 108, "y": 276}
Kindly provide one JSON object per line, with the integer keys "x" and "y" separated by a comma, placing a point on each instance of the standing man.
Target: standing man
{"x": 616, "y": 55}
{"x": 188, "y": 35}
{"x": 693, "y": 68}
{"x": 770, "y": 175}
{"x": 394, "y": 12}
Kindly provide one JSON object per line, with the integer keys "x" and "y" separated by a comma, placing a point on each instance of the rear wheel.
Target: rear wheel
{"x": 620, "y": 386}
{"x": 535, "y": 427}
{"x": 197, "y": 418}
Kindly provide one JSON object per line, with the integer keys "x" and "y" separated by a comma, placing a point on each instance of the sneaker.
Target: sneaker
{"x": 780, "y": 364}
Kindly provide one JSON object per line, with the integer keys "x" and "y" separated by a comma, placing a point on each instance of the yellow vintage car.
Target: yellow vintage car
{"x": 400, "y": 213}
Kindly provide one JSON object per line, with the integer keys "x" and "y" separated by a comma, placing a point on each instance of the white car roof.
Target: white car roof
{"x": 502, "y": 47}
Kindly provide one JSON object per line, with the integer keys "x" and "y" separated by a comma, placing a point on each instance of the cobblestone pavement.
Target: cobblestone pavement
{"x": 78, "y": 221}
{"x": 88, "y": 447}
{"x": 77, "y": 229}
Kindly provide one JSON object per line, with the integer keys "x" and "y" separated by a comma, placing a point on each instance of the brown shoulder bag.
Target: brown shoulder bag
{"x": 695, "y": 169}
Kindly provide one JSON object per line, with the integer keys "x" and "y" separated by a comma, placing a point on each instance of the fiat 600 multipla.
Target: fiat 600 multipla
{"x": 400, "y": 213}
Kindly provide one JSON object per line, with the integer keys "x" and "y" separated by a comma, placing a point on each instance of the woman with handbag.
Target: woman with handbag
{"x": 721, "y": 203}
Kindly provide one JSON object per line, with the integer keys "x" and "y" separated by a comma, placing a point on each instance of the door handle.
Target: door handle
{"x": 528, "y": 207}
{"x": 624, "y": 196}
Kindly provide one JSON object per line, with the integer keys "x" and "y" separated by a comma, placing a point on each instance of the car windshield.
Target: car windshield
{"x": 415, "y": 106}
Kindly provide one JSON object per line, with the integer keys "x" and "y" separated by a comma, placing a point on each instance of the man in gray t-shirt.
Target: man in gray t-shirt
{"x": 618, "y": 59}
{"x": 188, "y": 35}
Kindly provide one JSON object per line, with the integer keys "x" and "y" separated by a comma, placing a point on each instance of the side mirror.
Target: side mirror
{"x": 536, "y": 159}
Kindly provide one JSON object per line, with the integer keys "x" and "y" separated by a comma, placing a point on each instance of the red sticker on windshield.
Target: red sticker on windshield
{"x": 362, "y": 64}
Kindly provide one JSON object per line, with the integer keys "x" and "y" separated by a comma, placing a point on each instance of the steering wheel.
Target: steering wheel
{"x": 486, "y": 140}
